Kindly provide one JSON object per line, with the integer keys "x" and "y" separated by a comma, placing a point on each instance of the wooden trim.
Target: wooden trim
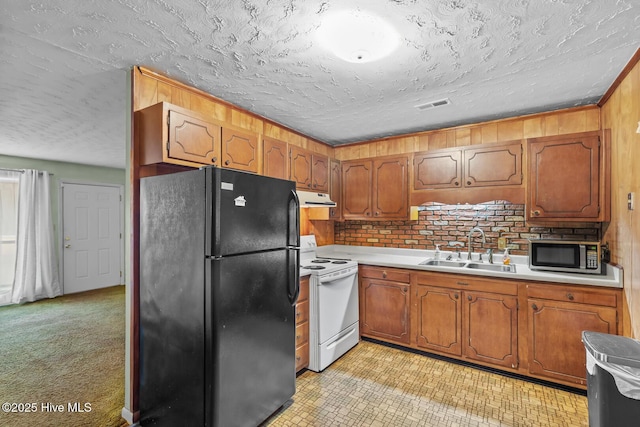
{"x": 623, "y": 74}
{"x": 470, "y": 126}
{"x": 150, "y": 73}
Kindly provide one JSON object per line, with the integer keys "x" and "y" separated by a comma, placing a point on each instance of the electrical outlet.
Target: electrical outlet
{"x": 502, "y": 243}
{"x": 630, "y": 201}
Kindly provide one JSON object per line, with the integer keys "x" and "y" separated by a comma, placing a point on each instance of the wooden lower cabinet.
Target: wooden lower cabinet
{"x": 302, "y": 325}
{"x": 439, "y": 319}
{"x": 385, "y": 304}
{"x": 490, "y": 328}
{"x": 530, "y": 328}
{"x": 556, "y": 320}
{"x": 477, "y": 325}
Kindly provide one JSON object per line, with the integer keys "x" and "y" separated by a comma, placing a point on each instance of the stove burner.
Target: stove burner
{"x": 339, "y": 262}
{"x": 315, "y": 267}
{"x": 320, "y": 261}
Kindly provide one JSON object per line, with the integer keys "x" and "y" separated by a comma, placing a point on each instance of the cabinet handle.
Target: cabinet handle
{"x": 535, "y": 213}
{"x": 405, "y": 289}
{"x": 309, "y": 185}
{"x": 468, "y": 182}
{"x": 214, "y": 159}
{"x": 570, "y": 296}
{"x": 227, "y": 162}
{"x": 535, "y": 307}
{"x": 298, "y": 337}
{"x": 469, "y": 297}
{"x": 384, "y": 274}
{"x": 368, "y": 213}
{"x": 377, "y": 213}
{"x": 457, "y": 183}
{"x": 297, "y": 358}
{"x": 456, "y": 296}
{"x": 462, "y": 283}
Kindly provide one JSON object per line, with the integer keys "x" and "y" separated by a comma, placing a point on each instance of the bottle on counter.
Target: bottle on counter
{"x": 436, "y": 255}
{"x": 506, "y": 259}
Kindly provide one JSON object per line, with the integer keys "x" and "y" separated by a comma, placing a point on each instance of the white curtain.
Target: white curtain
{"x": 36, "y": 275}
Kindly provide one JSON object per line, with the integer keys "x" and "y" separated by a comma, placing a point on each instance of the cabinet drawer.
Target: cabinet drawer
{"x": 302, "y": 333}
{"x": 302, "y": 356}
{"x": 302, "y": 312}
{"x": 468, "y": 283}
{"x": 304, "y": 289}
{"x": 386, "y": 274}
{"x": 570, "y": 294}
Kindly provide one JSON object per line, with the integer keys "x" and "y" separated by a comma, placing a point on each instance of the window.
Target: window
{"x": 8, "y": 229}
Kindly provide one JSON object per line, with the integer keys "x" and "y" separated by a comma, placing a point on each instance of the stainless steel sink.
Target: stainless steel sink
{"x": 443, "y": 263}
{"x": 511, "y": 268}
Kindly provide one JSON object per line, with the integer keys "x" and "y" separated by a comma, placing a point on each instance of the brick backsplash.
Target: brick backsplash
{"x": 449, "y": 225}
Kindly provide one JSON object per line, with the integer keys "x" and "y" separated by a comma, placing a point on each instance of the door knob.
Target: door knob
{"x": 67, "y": 246}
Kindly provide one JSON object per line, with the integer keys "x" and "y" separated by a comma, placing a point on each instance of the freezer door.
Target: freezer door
{"x": 250, "y": 213}
{"x": 252, "y": 356}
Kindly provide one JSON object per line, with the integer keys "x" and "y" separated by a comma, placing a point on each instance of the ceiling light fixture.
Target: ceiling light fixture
{"x": 357, "y": 36}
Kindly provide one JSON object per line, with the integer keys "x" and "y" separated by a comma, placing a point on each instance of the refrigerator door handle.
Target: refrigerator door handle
{"x": 293, "y": 275}
{"x": 293, "y": 229}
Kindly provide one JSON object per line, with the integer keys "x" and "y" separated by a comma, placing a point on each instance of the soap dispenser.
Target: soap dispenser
{"x": 437, "y": 253}
{"x": 506, "y": 259}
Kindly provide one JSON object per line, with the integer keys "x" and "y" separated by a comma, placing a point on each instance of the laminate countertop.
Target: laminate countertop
{"x": 412, "y": 259}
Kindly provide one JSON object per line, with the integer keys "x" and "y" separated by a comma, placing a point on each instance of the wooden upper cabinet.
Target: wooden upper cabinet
{"x": 239, "y": 150}
{"x": 495, "y": 164}
{"x": 390, "y": 192}
{"x": 473, "y": 166}
{"x": 375, "y": 189}
{"x": 166, "y": 133}
{"x": 357, "y": 181}
{"x": 275, "y": 158}
{"x": 564, "y": 178}
{"x": 309, "y": 170}
{"x": 441, "y": 169}
{"x": 335, "y": 188}
{"x": 170, "y": 134}
{"x": 319, "y": 173}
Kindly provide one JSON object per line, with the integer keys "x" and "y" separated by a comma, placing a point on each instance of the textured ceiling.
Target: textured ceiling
{"x": 63, "y": 65}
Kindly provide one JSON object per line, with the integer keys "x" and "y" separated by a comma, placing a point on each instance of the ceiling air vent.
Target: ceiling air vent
{"x": 432, "y": 104}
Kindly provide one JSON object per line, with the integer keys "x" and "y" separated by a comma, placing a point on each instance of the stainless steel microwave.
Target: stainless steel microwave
{"x": 568, "y": 256}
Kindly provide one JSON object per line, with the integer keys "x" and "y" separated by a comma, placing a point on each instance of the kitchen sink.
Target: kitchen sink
{"x": 443, "y": 263}
{"x": 510, "y": 268}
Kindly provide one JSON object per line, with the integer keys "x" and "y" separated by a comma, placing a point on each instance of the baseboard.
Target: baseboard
{"x": 128, "y": 417}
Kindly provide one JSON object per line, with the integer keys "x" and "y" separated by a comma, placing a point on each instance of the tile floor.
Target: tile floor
{"x": 375, "y": 385}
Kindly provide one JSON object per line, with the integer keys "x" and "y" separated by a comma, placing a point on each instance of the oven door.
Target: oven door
{"x": 337, "y": 304}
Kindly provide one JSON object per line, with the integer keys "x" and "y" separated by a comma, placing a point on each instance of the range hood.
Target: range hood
{"x": 309, "y": 199}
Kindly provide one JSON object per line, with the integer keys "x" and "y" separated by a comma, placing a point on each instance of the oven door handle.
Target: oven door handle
{"x": 328, "y": 279}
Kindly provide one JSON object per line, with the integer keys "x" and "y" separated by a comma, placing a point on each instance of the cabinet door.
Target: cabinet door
{"x": 239, "y": 150}
{"x": 302, "y": 325}
{"x": 495, "y": 164}
{"x": 441, "y": 169}
{"x": 275, "y": 158}
{"x": 193, "y": 139}
{"x": 320, "y": 173}
{"x": 300, "y": 167}
{"x": 356, "y": 189}
{"x": 335, "y": 188}
{"x": 390, "y": 193}
{"x": 564, "y": 177}
{"x": 439, "y": 314}
{"x": 555, "y": 337}
{"x": 384, "y": 310}
{"x": 491, "y": 328}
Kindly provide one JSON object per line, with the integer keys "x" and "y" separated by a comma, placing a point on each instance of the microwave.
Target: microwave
{"x": 568, "y": 256}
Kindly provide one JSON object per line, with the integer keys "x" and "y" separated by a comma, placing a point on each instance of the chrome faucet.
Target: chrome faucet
{"x": 483, "y": 240}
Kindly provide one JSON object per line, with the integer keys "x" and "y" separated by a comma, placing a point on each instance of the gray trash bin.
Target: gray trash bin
{"x": 613, "y": 380}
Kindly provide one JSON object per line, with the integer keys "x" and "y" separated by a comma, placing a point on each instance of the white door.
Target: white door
{"x": 92, "y": 237}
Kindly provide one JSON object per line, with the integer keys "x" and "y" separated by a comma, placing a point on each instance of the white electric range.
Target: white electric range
{"x": 333, "y": 305}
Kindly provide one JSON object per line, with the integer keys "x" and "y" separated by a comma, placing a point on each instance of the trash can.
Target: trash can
{"x": 613, "y": 379}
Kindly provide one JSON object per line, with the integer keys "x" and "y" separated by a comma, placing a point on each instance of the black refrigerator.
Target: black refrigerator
{"x": 219, "y": 272}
